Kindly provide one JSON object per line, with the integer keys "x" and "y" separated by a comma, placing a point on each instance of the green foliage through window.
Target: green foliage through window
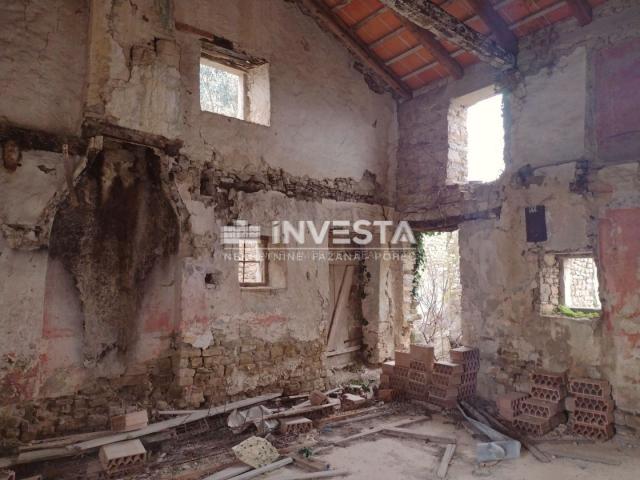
{"x": 220, "y": 91}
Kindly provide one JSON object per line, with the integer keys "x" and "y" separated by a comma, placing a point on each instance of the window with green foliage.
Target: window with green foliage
{"x": 221, "y": 89}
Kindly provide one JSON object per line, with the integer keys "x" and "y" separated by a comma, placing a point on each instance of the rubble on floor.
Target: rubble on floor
{"x": 251, "y": 437}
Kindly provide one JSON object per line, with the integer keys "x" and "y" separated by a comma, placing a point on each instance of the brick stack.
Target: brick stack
{"x": 419, "y": 378}
{"x": 509, "y": 405}
{"x": 544, "y": 410}
{"x": 408, "y": 376}
{"x": 591, "y": 408}
{"x": 469, "y": 358}
{"x": 445, "y": 383}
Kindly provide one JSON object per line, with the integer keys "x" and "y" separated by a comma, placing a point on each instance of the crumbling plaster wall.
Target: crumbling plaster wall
{"x": 50, "y": 61}
{"x": 562, "y": 108}
{"x": 328, "y": 154}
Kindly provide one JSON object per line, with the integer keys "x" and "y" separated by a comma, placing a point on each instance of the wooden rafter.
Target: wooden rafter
{"x": 431, "y": 44}
{"x": 340, "y": 5}
{"x": 322, "y": 14}
{"x": 496, "y": 23}
{"x": 444, "y": 25}
{"x": 581, "y": 10}
{"x": 365, "y": 21}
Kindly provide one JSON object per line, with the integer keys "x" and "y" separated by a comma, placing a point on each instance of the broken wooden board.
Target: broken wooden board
{"x": 446, "y": 459}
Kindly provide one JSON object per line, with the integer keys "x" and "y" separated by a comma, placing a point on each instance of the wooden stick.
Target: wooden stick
{"x": 355, "y": 419}
{"x": 325, "y": 474}
{"x": 586, "y": 456}
{"x": 258, "y": 471}
{"x": 401, "y": 432}
{"x": 446, "y": 458}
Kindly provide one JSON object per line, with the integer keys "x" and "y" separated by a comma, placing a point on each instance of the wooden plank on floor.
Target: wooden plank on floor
{"x": 446, "y": 459}
{"x": 402, "y": 433}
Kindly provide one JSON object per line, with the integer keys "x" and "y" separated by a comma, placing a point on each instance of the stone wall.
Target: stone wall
{"x": 557, "y": 106}
{"x": 581, "y": 289}
{"x": 139, "y": 203}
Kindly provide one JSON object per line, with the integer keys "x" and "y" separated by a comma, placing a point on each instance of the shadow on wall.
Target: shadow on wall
{"x": 109, "y": 235}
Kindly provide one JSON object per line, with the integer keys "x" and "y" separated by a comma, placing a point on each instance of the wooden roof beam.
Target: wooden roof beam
{"x": 496, "y": 23}
{"x": 581, "y": 10}
{"x": 442, "y": 24}
{"x": 323, "y": 16}
{"x": 431, "y": 44}
{"x": 365, "y": 21}
{"x": 340, "y": 5}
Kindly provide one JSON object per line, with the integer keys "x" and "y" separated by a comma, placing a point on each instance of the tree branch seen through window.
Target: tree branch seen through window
{"x": 252, "y": 262}
{"x": 221, "y": 89}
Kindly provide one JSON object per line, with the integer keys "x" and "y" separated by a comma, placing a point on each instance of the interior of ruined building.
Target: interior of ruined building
{"x": 160, "y": 159}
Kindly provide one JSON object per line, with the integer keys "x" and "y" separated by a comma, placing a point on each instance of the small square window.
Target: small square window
{"x": 569, "y": 286}
{"x": 252, "y": 262}
{"x": 222, "y": 89}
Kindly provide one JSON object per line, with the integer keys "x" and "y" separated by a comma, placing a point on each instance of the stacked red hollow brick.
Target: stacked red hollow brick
{"x": 591, "y": 408}
{"x": 445, "y": 384}
{"x": 409, "y": 376}
{"x": 509, "y": 405}
{"x": 544, "y": 409}
{"x": 469, "y": 358}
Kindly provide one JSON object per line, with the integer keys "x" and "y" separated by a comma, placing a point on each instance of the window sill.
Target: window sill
{"x": 261, "y": 288}
{"x": 576, "y": 319}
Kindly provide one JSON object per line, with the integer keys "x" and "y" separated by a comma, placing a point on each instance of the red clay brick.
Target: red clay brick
{"x": 422, "y": 353}
{"x": 444, "y": 380}
{"x": 403, "y": 359}
{"x": 463, "y": 355}
{"x": 447, "y": 368}
{"x": 543, "y": 378}
{"x": 591, "y": 431}
{"x": 535, "y": 425}
{"x": 535, "y": 407}
{"x": 419, "y": 376}
{"x": 387, "y": 368}
{"x": 589, "y": 387}
{"x": 598, "y": 419}
{"x": 548, "y": 394}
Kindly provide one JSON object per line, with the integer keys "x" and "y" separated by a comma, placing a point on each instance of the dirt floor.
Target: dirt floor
{"x": 383, "y": 457}
{"x": 205, "y": 451}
